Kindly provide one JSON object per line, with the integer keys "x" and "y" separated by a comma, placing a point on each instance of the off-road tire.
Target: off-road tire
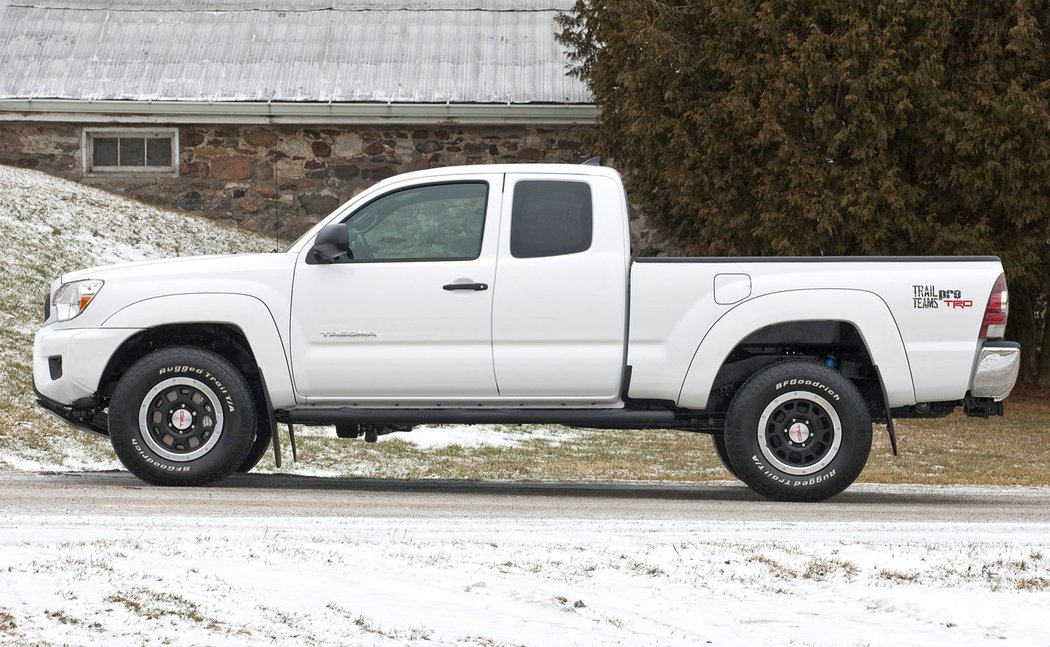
{"x": 182, "y": 416}
{"x": 829, "y": 420}
{"x": 263, "y": 436}
{"x": 719, "y": 442}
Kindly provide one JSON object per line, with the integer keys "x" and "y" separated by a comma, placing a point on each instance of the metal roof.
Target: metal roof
{"x": 421, "y": 51}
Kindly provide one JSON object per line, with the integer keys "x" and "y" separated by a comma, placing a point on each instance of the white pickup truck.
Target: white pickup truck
{"x": 506, "y": 294}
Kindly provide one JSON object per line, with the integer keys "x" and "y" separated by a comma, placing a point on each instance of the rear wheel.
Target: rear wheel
{"x": 798, "y": 431}
{"x": 182, "y": 416}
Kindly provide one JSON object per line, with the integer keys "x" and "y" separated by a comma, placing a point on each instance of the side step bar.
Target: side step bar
{"x": 605, "y": 418}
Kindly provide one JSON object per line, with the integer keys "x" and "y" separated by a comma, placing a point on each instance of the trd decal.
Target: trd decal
{"x": 928, "y": 296}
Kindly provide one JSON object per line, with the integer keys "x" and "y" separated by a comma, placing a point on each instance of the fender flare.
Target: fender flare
{"x": 866, "y": 311}
{"x": 246, "y": 312}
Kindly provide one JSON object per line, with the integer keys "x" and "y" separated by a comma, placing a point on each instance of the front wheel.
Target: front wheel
{"x": 719, "y": 441}
{"x": 258, "y": 450}
{"x": 798, "y": 431}
{"x": 182, "y": 416}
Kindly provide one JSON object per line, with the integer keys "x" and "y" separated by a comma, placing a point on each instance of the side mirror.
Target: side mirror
{"x": 332, "y": 242}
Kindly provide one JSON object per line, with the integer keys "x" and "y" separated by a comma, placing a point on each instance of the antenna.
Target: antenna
{"x": 276, "y": 212}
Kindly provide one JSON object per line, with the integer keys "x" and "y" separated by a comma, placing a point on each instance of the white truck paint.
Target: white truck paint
{"x": 507, "y": 293}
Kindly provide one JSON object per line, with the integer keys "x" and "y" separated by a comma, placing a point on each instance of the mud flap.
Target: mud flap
{"x": 889, "y": 414}
{"x": 277, "y": 446}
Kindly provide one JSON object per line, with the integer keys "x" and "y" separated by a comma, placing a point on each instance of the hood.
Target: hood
{"x": 164, "y": 264}
{"x": 267, "y": 277}
{"x": 210, "y": 266}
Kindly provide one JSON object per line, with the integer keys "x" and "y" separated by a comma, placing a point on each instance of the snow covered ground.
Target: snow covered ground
{"x": 307, "y": 581}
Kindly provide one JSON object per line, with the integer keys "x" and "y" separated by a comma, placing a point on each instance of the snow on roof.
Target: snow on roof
{"x": 414, "y": 51}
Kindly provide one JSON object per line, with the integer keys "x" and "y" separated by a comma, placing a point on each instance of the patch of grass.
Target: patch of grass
{"x": 819, "y": 569}
{"x": 554, "y": 453}
{"x": 7, "y": 623}
{"x": 131, "y": 605}
{"x": 1032, "y": 584}
{"x": 151, "y": 604}
{"x": 413, "y": 633}
{"x": 485, "y": 641}
{"x": 957, "y": 450}
{"x": 897, "y": 576}
{"x": 62, "y": 617}
{"x": 643, "y": 568}
{"x": 367, "y": 625}
{"x": 775, "y": 568}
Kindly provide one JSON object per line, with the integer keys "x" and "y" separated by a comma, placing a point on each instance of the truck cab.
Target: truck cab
{"x": 469, "y": 288}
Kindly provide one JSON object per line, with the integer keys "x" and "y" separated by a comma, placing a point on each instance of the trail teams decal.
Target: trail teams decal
{"x": 928, "y": 296}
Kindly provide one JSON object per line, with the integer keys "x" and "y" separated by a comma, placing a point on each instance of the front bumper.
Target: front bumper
{"x": 998, "y": 364}
{"x": 68, "y": 364}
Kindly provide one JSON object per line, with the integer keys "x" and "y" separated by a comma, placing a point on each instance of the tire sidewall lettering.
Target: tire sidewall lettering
{"x": 787, "y": 479}
{"x": 149, "y": 458}
{"x": 220, "y": 389}
{"x": 796, "y": 382}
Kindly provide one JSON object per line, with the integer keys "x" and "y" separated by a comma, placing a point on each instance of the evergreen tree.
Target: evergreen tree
{"x": 824, "y": 127}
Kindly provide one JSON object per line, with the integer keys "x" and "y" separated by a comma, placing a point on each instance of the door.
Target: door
{"x": 407, "y": 315}
{"x": 559, "y": 315}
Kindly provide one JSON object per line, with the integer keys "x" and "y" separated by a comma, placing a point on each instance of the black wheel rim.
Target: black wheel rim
{"x": 181, "y": 419}
{"x": 800, "y": 433}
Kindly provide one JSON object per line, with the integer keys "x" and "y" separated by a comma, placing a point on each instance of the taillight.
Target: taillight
{"x": 994, "y": 324}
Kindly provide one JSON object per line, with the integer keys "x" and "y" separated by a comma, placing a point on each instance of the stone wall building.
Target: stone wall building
{"x": 272, "y": 113}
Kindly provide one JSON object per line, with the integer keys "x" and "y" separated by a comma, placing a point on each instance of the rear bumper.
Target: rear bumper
{"x": 998, "y": 364}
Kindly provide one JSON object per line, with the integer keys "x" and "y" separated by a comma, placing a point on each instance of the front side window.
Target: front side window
{"x": 438, "y": 222}
{"x": 130, "y": 151}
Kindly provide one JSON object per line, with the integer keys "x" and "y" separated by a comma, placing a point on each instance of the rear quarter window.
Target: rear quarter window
{"x": 550, "y": 218}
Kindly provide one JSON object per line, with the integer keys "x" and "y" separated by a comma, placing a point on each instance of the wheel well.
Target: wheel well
{"x": 225, "y": 340}
{"x": 837, "y": 344}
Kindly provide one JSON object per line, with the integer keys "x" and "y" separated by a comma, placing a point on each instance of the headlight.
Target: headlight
{"x": 71, "y": 298}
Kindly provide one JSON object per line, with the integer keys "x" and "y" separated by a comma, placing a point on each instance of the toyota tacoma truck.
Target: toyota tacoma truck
{"x": 507, "y": 294}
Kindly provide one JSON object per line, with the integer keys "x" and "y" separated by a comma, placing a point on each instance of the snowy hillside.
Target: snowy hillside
{"x": 50, "y": 226}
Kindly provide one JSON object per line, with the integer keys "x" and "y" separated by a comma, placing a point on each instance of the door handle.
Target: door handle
{"x": 476, "y": 287}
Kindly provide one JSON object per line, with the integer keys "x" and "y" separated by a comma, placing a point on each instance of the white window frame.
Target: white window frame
{"x": 87, "y": 146}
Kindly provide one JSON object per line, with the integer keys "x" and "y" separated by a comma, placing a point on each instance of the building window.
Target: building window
{"x": 135, "y": 151}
